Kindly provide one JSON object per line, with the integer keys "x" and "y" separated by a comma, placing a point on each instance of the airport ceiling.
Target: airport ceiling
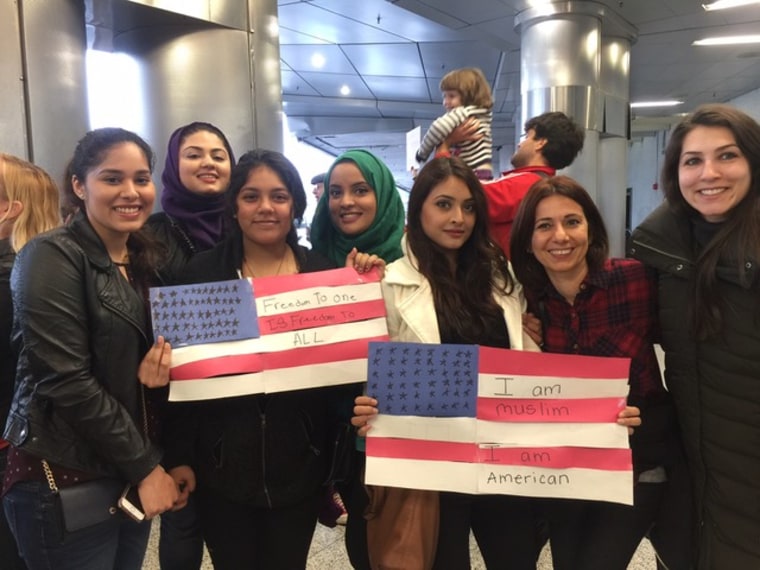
{"x": 392, "y": 54}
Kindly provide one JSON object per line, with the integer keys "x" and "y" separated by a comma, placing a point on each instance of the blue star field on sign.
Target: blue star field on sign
{"x": 433, "y": 380}
{"x": 205, "y": 312}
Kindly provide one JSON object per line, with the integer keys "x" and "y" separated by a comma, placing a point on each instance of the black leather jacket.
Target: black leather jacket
{"x": 81, "y": 333}
{"x": 7, "y": 358}
{"x": 179, "y": 246}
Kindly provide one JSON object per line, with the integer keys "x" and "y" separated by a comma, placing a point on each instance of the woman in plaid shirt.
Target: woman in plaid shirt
{"x": 592, "y": 305}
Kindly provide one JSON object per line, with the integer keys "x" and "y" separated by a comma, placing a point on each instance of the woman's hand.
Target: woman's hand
{"x": 184, "y": 477}
{"x": 532, "y": 327}
{"x": 158, "y": 492}
{"x": 365, "y": 408}
{"x": 154, "y": 368}
{"x": 364, "y": 262}
{"x": 630, "y": 416}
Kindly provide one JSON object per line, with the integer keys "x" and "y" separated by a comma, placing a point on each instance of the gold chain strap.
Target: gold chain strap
{"x": 49, "y": 475}
{"x": 46, "y": 466}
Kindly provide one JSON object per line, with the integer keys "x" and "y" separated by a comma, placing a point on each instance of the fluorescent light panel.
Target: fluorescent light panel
{"x": 725, "y": 4}
{"x": 641, "y": 104}
{"x": 728, "y": 40}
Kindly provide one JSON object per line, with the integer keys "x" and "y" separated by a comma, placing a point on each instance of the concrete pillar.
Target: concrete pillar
{"x": 43, "y": 96}
{"x": 575, "y": 59}
{"x": 612, "y": 165}
{"x": 209, "y": 60}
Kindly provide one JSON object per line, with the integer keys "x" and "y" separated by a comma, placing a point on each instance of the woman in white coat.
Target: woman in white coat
{"x": 454, "y": 286}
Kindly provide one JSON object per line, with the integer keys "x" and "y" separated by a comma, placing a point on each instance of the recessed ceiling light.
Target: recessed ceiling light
{"x": 344, "y": 90}
{"x": 669, "y": 103}
{"x": 724, "y": 4}
{"x": 728, "y": 41}
{"x": 318, "y": 60}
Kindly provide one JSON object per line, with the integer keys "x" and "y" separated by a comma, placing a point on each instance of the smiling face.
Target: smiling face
{"x": 713, "y": 173}
{"x": 118, "y": 193}
{"x": 561, "y": 237}
{"x": 264, "y": 207}
{"x": 352, "y": 201}
{"x": 204, "y": 163}
{"x": 448, "y": 215}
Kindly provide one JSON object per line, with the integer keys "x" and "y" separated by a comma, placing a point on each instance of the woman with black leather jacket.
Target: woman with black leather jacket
{"x": 81, "y": 332}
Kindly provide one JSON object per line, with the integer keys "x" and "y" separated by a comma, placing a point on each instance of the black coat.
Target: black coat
{"x": 716, "y": 387}
{"x": 263, "y": 450}
{"x": 81, "y": 332}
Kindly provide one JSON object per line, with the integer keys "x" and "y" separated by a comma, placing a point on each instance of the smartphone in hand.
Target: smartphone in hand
{"x": 129, "y": 502}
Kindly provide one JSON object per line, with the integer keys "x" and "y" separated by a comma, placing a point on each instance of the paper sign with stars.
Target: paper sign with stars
{"x": 432, "y": 380}
{"x": 204, "y": 313}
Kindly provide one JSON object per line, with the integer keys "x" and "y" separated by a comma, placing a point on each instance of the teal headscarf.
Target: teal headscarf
{"x": 383, "y": 237}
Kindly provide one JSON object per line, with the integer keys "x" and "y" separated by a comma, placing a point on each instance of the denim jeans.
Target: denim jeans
{"x": 44, "y": 544}
{"x": 9, "y": 558}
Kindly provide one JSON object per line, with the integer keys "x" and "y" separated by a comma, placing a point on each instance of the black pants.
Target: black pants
{"x": 504, "y": 528}
{"x": 239, "y": 536}
{"x": 594, "y": 535}
{"x": 355, "y": 499}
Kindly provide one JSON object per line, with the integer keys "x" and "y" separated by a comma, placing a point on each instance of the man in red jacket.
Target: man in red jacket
{"x": 551, "y": 141}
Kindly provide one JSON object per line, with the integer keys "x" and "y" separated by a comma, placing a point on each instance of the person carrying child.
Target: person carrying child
{"x": 466, "y": 94}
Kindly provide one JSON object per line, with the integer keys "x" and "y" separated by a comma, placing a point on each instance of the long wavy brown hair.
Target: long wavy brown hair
{"x": 738, "y": 240}
{"x": 464, "y": 298}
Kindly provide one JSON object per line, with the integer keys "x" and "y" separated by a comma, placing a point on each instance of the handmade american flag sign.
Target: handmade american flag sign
{"x": 314, "y": 331}
{"x": 481, "y": 420}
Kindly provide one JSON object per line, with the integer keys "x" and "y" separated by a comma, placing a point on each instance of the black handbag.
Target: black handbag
{"x": 88, "y": 503}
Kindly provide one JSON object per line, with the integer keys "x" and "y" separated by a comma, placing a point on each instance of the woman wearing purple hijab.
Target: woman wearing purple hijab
{"x": 196, "y": 175}
{"x": 199, "y": 160}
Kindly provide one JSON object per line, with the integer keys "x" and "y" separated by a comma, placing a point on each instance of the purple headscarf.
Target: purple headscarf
{"x": 201, "y": 216}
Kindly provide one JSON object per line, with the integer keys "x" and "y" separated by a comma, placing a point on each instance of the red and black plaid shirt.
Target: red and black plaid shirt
{"x": 614, "y": 314}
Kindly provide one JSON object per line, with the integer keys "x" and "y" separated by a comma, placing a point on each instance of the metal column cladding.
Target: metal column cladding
{"x": 560, "y": 65}
{"x": 575, "y": 59}
{"x": 43, "y": 100}
{"x": 203, "y": 61}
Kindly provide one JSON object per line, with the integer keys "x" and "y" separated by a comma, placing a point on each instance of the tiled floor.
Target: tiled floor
{"x": 328, "y": 553}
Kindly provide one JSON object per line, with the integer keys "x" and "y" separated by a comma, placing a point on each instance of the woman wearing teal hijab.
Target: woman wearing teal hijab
{"x": 360, "y": 208}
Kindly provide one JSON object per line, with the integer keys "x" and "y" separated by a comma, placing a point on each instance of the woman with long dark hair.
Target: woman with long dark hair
{"x": 454, "y": 285}
{"x": 78, "y": 417}
{"x": 704, "y": 242}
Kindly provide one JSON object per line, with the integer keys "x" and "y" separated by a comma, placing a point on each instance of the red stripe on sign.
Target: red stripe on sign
{"x": 321, "y": 354}
{"x": 596, "y": 410}
{"x": 543, "y": 364}
{"x": 219, "y": 366}
{"x": 263, "y": 286}
{"x": 247, "y": 363}
{"x": 321, "y": 317}
{"x": 423, "y": 450}
{"x": 558, "y": 457}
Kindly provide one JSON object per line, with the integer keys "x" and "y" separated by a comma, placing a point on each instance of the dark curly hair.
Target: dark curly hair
{"x": 564, "y": 137}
